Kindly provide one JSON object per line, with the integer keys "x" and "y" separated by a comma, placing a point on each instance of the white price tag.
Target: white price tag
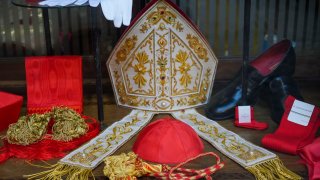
{"x": 244, "y": 114}
{"x": 300, "y": 113}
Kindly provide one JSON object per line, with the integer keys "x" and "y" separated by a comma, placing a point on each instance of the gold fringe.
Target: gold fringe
{"x": 60, "y": 170}
{"x": 272, "y": 169}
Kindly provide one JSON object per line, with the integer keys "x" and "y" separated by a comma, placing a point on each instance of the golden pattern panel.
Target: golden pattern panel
{"x": 161, "y": 14}
{"x": 201, "y": 97}
{"x": 228, "y": 142}
{"x": 186, "y": 68}
{"x": 198, "y": 47}
{"x": 162, "y": 68}
{"x": 125, "y": 49}
{"x": 140, "y": 68}
{"x": 123, "y": 96}
{"x": 102, "y": 145}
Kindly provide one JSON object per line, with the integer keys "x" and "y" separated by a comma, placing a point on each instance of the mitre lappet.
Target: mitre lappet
{"x": 163, "y": 64}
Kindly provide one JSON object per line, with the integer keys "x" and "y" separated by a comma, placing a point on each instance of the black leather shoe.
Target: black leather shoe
{"x": 278, "y": 60}
{"x": 278, "y": 90}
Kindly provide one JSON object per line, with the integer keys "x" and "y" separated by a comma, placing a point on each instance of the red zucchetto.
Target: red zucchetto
{"x": 168, "y": 141}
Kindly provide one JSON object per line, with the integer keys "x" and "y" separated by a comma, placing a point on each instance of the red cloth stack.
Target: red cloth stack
{"x": 54, "y": 81}
{"x": 10, "y": 107}
{"x": 291, "y": 137}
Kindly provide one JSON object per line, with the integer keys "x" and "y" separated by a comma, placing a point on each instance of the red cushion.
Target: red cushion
{"x": 168, "y": 141}
{"x": 54, "y": 81}
{"x": 10, "y": 107}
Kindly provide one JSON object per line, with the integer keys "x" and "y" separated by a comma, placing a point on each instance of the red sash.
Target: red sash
{"x": 290, "y": 137}
{"x": 311, "y": 156}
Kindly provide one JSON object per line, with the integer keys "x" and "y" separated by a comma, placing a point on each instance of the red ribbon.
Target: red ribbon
{"x": 310, "y": 154}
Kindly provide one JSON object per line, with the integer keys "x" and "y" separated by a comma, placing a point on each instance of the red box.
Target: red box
{"x": 10, "y": 107}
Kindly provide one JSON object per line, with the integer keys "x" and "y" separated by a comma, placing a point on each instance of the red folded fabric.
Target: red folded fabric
{"x": 10, "y": 107}
{"x": 54, "y": 81}
{"x": 253, "y": 123}
{"x": 310, "y": 154}
{"x": 290, "y": 137}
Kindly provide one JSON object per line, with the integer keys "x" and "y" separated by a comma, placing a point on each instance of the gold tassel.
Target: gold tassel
{"x": 60, "y": 170}
{"x": 272, "y": 169}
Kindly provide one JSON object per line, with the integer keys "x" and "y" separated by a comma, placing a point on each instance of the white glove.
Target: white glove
{"x": 66, "y": 2}
{"x": 57, "y": 2}
{"x": 118, "y": 10}
{"x": 80, "y": 2}
{"x": 62, "y": 2}
{"x": 127, "y": 12}
{"x": 94, "y": 3}
{"x": 108, "y": 9}
{"x": 50, "y": 2}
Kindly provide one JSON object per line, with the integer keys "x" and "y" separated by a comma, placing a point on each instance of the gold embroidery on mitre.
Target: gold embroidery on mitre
{"x": 140, "y": 69}
{"x": 184, "y": 68}
{"x": 142, "y": 64}
{"x": 125, "y": 49}
{"x": 161, "y": 14}
{"x": 198, "y": 48}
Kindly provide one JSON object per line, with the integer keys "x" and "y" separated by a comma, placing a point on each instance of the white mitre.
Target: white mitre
{"x": 162, "y": 62}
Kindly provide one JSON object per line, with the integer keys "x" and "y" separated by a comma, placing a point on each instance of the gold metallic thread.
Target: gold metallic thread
{"x": 272, "y": 169}
{"x": 28, "y": 129}
{"x": 128, "y": 166}
{"x": 68, "y": 124}
{"x": 32, "y": 128}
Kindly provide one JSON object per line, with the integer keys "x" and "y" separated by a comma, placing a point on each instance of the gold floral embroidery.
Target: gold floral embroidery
{"x": 83, "y": 158}
{"x": 184, "y": 68}
{"x": 198, "y": 48}
{"x": 202, "y": 95}
{"x": 162, "y": 62}
{"x": 140, "y": 68}
{"x": 124, "y": 98}
{"x": 125, "y": 49}
{"x": 229, "y": 142}
{"x": 103, "y": 145}
{"x": 161, "y": 14}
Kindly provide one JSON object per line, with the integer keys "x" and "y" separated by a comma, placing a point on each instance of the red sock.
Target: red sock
{"x": 253, "y": 124}
{"x": 290, "y": 136}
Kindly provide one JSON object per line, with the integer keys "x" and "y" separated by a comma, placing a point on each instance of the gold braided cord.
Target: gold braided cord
{"x": 32, "y": 128}
{"x": 62, "y": 170}
{"x": 128, "y": 166}
{"x": 272, "y": 169}
{"x": 68, "y": 124}
{"x": 28, "y": 129}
